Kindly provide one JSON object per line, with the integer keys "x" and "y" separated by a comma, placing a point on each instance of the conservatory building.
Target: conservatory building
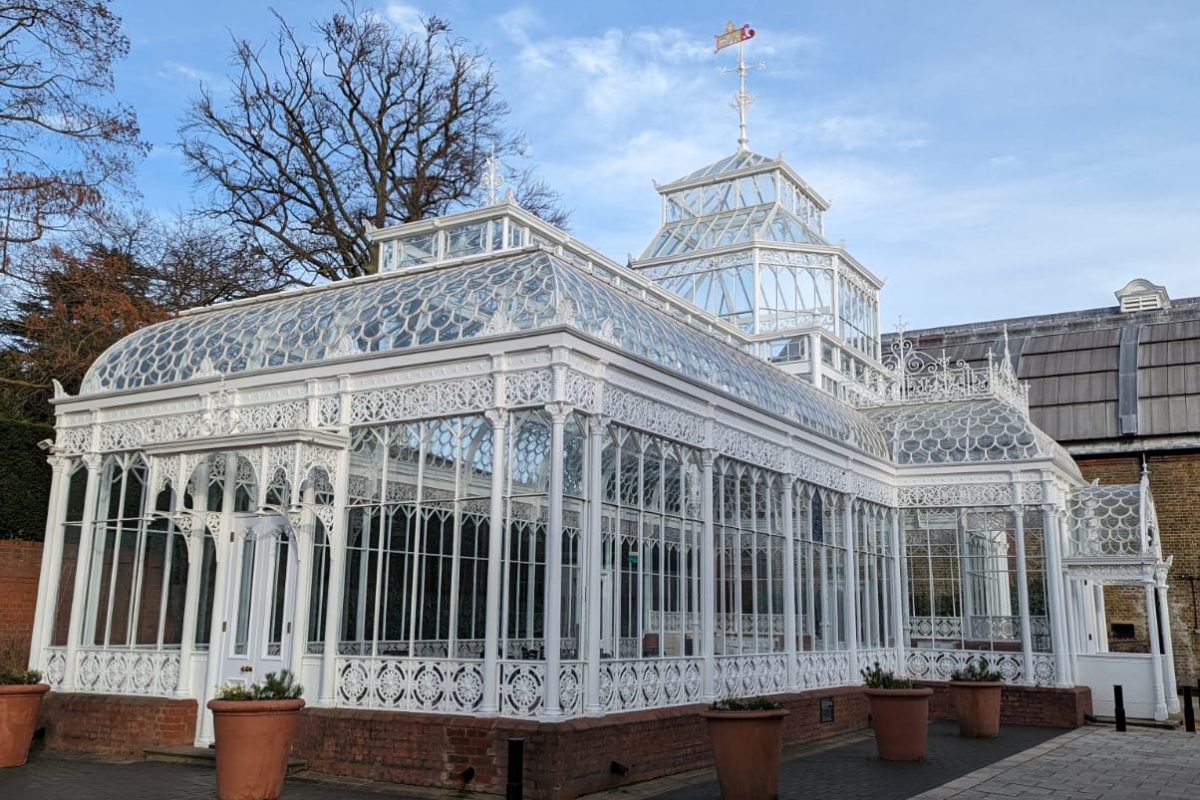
{"x": 509, "y": 479}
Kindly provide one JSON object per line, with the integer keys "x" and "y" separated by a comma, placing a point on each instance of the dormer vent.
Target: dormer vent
{"x": 1142, "y": 295}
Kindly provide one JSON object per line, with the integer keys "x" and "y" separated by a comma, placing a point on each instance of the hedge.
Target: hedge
{"x": 24, "y": 479}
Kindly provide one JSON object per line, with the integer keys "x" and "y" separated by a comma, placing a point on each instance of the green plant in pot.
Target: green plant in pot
{"x": 254, "y": 726}
{"x": 747, "y": 742}
{"x": 21, "y": 693}
{"x": 976, "y": 689}
{"x": 899, "y": 714}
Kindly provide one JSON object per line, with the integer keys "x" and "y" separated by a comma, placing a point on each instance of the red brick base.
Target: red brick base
{"x": 562, "y": 760}
{"x": 20, "y": 566}
{"x": 1024, "y": 705}
{"x": 116, "y": 724}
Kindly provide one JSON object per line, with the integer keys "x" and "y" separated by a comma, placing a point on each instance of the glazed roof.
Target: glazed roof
{"x": 522, "y": 290}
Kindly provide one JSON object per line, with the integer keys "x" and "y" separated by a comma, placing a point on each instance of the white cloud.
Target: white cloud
{"x": 174, "y": 70}
{"x": 856, "y": 131}
{"x": 405, "y": 18}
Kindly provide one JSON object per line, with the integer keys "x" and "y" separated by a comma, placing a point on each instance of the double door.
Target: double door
{"x": 261, "y": 599}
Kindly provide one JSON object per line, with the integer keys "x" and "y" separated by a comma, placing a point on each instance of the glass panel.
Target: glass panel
{"x": 278, "y": 595}
{"x": 245, "y": 597}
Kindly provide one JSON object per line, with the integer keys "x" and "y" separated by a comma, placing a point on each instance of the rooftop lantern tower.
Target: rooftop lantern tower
{"x": 744, "y": 239}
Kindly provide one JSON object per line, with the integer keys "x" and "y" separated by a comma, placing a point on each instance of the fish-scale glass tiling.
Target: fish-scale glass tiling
{"x": 967, "y": 431}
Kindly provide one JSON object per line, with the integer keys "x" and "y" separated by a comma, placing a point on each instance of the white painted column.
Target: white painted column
{"x": 1018, "y": 513}
{"x": 899, "y": 593}
{"x": 559, "y": 413}
{"x": 708, "y": 582}
{"x": 51, "y": 568}
{"x": 810, "y": 579}
{"x": 1168, "y": 667}
{"x": 790, "y": 584}
{"x": 1160, "y": 700}
{"x": 491, "y": 629}
{"x": 593, "y": 564}
{"x": 338, "y": 537}
{"x": 304, "y": 540}
{"x": 1056, "y": 598}
{"x": 191, "y": 606}
{"x": 851, "y": 590}
{"x": 224, "y": 553}
{"x": 87, "y": 531}
{"x": 1101, "y": 618}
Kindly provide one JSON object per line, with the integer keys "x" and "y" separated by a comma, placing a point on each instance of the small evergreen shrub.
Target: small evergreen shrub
{"x": 19, "y": 677}
{"x": 746, "y": 704}
{"x": 877, "y": 677}
{"x": 274, "y": 687}
{"x": 976, "y": 670}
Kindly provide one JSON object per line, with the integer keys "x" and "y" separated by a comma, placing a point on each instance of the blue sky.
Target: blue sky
{"x": 987, "y": 159}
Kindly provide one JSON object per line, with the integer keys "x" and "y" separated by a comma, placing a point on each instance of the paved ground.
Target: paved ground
{"x": 1093, "y": 763}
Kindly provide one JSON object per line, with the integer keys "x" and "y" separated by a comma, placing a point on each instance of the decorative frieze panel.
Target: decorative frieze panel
{"x": 521, "y": 687}
{"x": 747, "y": 676}
{"x": 631, "y": 684}
{"x": 150, "y": 673}
{"x": 751, "y": 449}
{"x": 422, "y": 400}
{"x": 532, "y": 387}
{"x": 821, "y": 670}
{"x": 946, "y": 495}
{"x": 581, "y": 390}
{"x": 401, "y": 684}
{"x": 652, "y": 415}
{"x": 939, "y": 664}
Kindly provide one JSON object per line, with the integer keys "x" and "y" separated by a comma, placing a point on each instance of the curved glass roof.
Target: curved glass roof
{"x": 1106, "y": 520}
{"x": 962, "y": 431}
{"x": 405, "y": 310}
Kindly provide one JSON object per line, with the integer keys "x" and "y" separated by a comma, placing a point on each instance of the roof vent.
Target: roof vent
{"x": 1142, "y": 295}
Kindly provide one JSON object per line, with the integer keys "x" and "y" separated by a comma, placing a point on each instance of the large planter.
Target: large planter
{"x": 901, "y": 721}
{"x": 254, "y": 738}
{"x": 19, "y": 707}
{"x": 977, "y": 705}
{"x": 747, "y": 746}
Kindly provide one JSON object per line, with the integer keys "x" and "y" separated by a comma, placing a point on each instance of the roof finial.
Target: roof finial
{"x": 492, "y": 179}
{"x": 1007, "y": 354}
{"x": 743, "y": 99}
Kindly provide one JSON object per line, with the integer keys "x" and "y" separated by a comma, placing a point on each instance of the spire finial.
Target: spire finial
{"x": 492, "y": 179}
{"x": 743, "y": 99}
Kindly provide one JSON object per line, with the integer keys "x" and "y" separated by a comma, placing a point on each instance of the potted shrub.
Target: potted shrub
{"x": 747, "y": 742}
{"x": 976, "y": 690}
{"x": 899, "y": 714}
{"x": 254, "y": 726}
{"x": 21, "y": 693}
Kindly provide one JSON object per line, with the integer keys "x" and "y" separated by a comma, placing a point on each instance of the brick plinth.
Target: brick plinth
{"x": 562, "y": 760}
{"x": 116, "y": 724}
{"x": 20, "y": 566}
{"x": 1024, "y": 705}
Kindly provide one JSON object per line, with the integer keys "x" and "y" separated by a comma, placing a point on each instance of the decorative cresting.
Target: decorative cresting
{"x": 913, "y": 376}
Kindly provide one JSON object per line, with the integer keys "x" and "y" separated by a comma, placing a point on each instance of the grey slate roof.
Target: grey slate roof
{"x": 1095, "y": 375}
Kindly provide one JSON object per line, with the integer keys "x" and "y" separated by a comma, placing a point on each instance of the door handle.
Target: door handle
{"x": 247, "y": 668}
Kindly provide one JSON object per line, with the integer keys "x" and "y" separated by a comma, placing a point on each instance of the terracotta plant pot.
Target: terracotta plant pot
{"x": 254, "y": 738}
{"x": 747, "y": 746}
{"x": 19, "y": 707}
{"x": 977, "y": 704}
{"x": 901, "y": 721}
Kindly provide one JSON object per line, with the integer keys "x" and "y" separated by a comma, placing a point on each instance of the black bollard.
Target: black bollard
{"x": 1189, "y": 713}
{"x": 1119, "y": 702}
{"x": 515, "y": 790}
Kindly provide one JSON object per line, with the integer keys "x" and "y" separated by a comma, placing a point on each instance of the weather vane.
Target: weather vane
{"x": 742, "y": 100}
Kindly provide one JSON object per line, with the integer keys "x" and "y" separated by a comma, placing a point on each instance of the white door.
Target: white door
{"x": 261, "y": 600}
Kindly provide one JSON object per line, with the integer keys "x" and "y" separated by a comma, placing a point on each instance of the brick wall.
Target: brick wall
{"x": 1024, "y": 705}
{"x": 562, "y": 760}
{"x": 116, "y": 724}
{"x": 20, "y": 566}
{"x": 1175, "y": 484}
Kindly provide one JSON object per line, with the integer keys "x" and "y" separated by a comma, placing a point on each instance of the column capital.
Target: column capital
{"x": 497, "y": 416}
{"x": 559, "y": 412}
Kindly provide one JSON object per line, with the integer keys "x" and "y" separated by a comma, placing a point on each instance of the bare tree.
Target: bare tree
{"x": 365, "y": 126}
{"x": 60, "y": 146}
